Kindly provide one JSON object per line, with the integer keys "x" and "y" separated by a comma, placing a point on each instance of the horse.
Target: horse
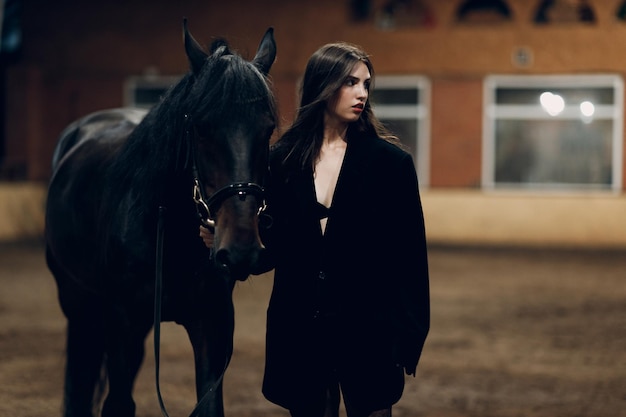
{"x": 199, "y": 156}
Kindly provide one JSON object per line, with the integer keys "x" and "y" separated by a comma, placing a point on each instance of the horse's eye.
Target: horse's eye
{"x": 202, "y": 132}
{"x": 203, "y": 129}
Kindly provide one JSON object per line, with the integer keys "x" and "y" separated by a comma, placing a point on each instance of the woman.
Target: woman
{"x": 349, "y": 309}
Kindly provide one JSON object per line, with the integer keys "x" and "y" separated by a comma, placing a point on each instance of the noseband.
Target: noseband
{"x": 207, "y": 208}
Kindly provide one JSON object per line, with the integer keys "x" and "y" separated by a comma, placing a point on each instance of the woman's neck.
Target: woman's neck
{"x": 334, "y": 133}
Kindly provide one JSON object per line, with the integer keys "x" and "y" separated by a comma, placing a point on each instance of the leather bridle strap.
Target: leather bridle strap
{"x": 207, "y": 208}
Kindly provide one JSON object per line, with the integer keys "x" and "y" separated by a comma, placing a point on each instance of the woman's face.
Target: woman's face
{"x": 351, "y": 97}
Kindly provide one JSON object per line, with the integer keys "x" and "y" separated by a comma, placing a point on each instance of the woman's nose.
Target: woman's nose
{"x": 362, "y": 91}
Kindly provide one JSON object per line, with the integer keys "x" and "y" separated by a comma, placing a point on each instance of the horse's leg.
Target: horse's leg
{"x": 84, "y": 345}
{"x": 212, "y": 342}
{"x": 125, "y": 352}
{"x": 83, "y": 369}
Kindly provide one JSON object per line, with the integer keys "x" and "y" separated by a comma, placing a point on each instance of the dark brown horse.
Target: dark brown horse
{"x": 200, "y": 155}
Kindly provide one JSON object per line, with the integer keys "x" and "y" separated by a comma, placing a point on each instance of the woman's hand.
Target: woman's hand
{"x": 207, "y": 237}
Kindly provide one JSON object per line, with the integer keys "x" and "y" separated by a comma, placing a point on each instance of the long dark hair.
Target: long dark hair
{"x": 325, "y": 74}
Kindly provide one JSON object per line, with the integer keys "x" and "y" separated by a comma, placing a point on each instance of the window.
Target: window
{"x": 146, "y": 91}
{"x": 564, "y": 11}
{"x": 401, "y": 103}
{"x": 559, "y": 132}
{"x": 483, "y": 11}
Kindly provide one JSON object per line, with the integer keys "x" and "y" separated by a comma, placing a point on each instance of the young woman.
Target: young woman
{"x": 349, "y": 310}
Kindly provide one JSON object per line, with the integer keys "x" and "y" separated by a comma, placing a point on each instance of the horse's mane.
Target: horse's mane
{"x": 218, "y": 92}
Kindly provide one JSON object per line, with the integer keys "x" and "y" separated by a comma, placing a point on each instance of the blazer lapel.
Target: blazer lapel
{"x": 350, "y": 182}
{"x": 303, "y": 191}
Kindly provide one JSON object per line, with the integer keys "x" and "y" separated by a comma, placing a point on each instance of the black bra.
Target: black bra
{"x": 322, "y": 211}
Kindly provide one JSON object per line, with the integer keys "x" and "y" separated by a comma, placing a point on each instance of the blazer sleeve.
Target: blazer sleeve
{"x": 411, "y": 314}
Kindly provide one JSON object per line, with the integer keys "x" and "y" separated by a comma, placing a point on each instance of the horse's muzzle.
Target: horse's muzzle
{"x": 237, "y": 263}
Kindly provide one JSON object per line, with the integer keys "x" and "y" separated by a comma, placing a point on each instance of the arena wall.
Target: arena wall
{"x": 453, "y": 217}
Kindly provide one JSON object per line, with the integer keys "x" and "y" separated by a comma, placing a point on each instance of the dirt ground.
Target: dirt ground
{"x": 515, "y": 333}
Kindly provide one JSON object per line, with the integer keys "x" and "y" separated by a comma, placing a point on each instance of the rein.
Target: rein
{"x": 158, "y": 290}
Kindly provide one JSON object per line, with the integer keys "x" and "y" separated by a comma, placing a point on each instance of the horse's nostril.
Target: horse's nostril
{"x": 222, "y": 258}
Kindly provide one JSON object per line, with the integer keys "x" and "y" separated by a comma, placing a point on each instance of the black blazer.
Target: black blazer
{"x": 364, "y": 283}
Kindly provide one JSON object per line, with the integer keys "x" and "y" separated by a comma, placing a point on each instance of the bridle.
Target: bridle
{"x": 206, "y": 208}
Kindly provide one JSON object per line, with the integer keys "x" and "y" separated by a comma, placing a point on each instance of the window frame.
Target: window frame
{"x": 492, "y": 112}
{"x": 134, "y": 83}
{"x": 420, "y": 112}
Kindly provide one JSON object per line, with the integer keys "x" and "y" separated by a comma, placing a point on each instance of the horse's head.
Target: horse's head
{"x": 231, "y": 117}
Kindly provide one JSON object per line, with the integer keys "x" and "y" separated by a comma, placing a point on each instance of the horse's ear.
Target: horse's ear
{"x": 195, "y": 53}
{"x": 266, "y": 54}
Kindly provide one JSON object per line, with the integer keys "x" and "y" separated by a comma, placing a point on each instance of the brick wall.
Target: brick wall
{"x": 77, "y": 54}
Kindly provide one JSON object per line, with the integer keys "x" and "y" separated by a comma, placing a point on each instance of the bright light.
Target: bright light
{"x": 587, "y": 108}
{"x": 552, "y": 103}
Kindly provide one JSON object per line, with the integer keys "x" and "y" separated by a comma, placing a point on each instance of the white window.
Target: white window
{"x": 146, "y": 91}
{"x": 557, "y": 132}
{"x": 402, "y": 103}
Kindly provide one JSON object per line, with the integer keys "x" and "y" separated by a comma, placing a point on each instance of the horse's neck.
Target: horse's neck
{"x": 160, "y": 171}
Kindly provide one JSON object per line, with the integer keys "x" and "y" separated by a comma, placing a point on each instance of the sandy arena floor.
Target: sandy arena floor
{"x": 514, "y": 334}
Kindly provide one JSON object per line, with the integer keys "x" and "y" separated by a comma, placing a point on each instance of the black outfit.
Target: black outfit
{"x": 350, "y": 305}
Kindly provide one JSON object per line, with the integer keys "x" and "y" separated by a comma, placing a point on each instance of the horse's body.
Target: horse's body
{"x": 112, "y": 171}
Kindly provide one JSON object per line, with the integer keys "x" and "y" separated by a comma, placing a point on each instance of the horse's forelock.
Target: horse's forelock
{"x": 226, "y": 83}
